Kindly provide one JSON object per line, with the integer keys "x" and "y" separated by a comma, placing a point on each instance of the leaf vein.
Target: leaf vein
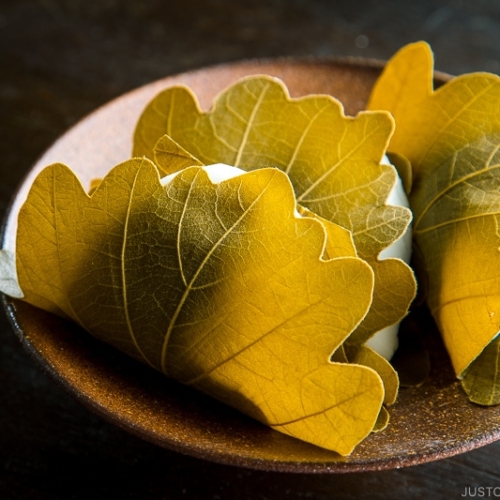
{"x": 251, "y": 344}
{"x": 190, "y": 285}
{"x": 339, "y": 162}
{"x": 443, "y": 192}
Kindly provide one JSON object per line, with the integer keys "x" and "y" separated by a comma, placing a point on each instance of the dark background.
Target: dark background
{"x": 59, "y": 60}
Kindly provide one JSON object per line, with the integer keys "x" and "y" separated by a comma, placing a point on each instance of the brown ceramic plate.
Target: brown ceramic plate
{"x": 430, "y": 422}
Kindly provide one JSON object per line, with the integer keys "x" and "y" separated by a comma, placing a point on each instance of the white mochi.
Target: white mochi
{"x": 217, "y": 172}
{"x": 385, "y": 342}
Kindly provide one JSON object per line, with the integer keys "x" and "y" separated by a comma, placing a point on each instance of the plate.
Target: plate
{"x": 429, "y": 422}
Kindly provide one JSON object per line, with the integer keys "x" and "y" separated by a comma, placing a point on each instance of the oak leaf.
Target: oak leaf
{"x": 9, "y": 283}
{"x": 333, "y": 161}
{"x": 451, "y": 136}
{"x": 220, "y": 286}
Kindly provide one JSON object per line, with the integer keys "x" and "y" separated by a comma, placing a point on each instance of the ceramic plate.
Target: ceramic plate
{"x": 429, "y": 422}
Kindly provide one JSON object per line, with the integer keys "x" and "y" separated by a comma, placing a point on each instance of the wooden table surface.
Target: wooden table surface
{"x": 60, "y": 59}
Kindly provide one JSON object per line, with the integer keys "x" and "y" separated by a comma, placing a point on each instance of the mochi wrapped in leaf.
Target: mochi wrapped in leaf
{"x": 451, "y": 136}
{"x": 221, "y": 286}
{"x": 333, "y": 162}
